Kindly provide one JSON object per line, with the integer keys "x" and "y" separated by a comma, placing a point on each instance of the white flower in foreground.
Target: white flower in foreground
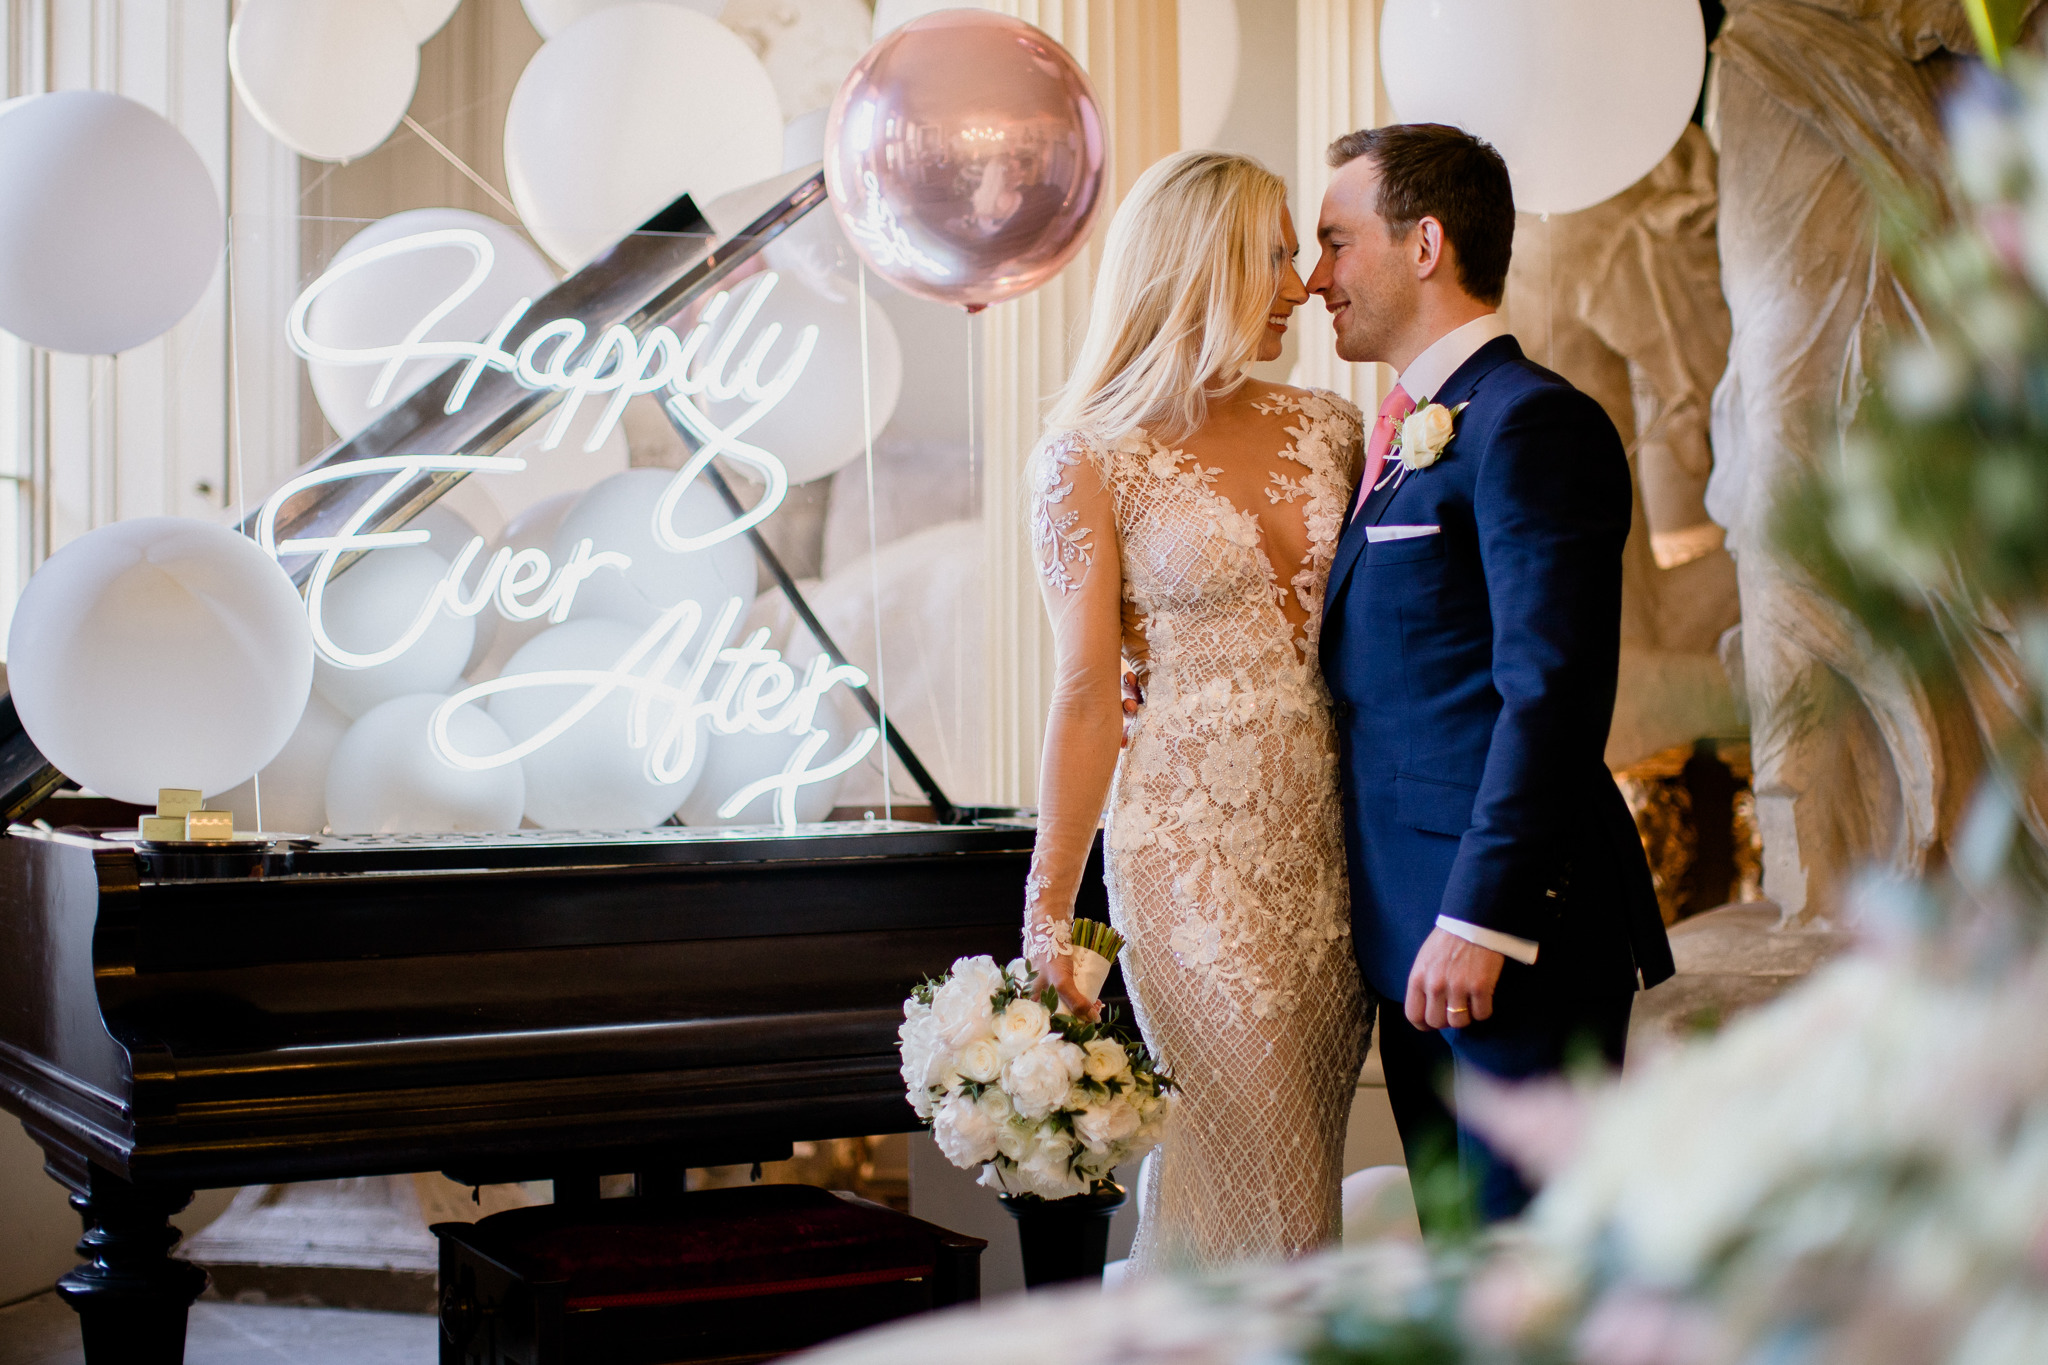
{"x": 1021, "y": 1027}
{"x": 1107, "y": 1060}
{"x": 981, "y": 1060}
{"x": 1103, "y": 1126}
{"x": 964, "y": 1132}
{"x": 1037, "y": 1079}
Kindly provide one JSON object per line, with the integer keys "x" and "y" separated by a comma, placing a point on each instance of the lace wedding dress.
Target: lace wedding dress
{"x": 1225, "y": 852}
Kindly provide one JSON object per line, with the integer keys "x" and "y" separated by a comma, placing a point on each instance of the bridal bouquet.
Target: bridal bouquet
{"x": 1046, "y": 1103}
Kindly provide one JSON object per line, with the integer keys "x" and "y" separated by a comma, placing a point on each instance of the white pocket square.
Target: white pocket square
{"x": 1375, "y": 534}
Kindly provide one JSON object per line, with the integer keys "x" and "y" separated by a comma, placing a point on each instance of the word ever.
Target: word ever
{"x": 759, "y": 694}
{"x": 509, "y": 579}
{"x": 693, "y": 368}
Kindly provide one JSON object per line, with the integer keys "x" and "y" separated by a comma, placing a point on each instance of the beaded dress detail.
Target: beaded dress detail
{"x": 1225, "y": 845}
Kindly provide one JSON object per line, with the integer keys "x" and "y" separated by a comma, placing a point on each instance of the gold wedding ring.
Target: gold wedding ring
{"x": 1456, "y": 1009}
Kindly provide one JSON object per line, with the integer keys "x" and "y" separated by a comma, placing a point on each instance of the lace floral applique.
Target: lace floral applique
{"x": 1064, "y": 549}
{"x": 1046, "y": 934}
{"x": 1285, "y": 489}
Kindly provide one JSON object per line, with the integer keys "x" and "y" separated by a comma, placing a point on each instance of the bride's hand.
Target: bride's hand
{"x": 1057, "y": 970}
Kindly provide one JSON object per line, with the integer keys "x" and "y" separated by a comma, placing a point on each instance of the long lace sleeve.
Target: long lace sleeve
{"x": 1074, "y": 533}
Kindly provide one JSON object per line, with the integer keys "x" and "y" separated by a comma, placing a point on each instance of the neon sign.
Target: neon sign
{"x": 759, "y": 693}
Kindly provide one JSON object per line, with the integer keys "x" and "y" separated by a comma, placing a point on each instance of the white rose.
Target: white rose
{"x": 1103, "y": 1126}
{"x": 997, "y": 1106}
{"x": 919, "y": 1050}
{"x": 1047, "y": 1168}
{"x": 964, "y": 1133}
{"x": 1106, "y": 1061}
{"x": 1424, "y": 434}
{"x": 961, "y": 1013}
{"x": 980, "y": 975}
{"x": 1021, "y": 1026}
{"x": 981, "y": 1060}
{"x": 1037, "y": 1080}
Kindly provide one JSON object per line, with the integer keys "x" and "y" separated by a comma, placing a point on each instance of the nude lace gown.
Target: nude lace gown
{"x": 1225, "y": 842}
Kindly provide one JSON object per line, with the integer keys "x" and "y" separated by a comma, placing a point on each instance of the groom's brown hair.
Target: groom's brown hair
{"x": 1431, "y": 170}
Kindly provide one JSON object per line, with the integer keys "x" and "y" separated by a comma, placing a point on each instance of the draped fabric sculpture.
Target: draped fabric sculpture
{"x": 1624, "y": 299}
{"x": 1853, "y": 762}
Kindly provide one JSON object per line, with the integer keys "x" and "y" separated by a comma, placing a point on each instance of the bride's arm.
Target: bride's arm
{"x": 1080, "y": 576}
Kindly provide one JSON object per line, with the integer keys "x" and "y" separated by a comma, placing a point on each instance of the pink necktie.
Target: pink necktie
{"x": 1397, "y": 407}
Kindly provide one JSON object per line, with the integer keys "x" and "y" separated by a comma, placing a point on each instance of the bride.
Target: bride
{"x": 1184, "y": 516}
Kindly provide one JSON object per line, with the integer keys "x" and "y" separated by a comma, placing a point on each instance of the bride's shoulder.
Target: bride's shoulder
{"x": 1318, "y": 404}
{"x": 1059, "y": 453}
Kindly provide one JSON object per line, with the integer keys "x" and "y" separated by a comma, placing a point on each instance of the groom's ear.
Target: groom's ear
{"x": 1430, "y": 248}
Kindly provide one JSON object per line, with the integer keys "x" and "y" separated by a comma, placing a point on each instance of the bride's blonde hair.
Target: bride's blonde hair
{"x": 1189, "y": 270}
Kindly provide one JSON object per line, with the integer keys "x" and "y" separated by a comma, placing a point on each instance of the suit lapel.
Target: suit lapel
{"x": 1459, "y": 388}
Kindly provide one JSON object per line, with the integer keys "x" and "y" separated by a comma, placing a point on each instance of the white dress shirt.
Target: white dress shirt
{"x": 1421, "y": 381}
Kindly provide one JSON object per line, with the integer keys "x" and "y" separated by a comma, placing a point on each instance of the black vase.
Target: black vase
{"x": 1064, "y": 1239}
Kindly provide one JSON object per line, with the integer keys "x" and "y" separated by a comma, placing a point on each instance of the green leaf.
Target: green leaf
{"x": 1996, "y": 24}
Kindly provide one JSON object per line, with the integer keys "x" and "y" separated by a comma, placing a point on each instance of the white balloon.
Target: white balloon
{"x": 159, "y": 652}
{"x": 532, "y": 529}
{"x": 1582, "y": 97}
{"x": 933, "y": 673}
{"x": 425, "y": 18}
{"x": 625, "y": 110}
{"x": 331, "y": 79}
{"x": 731, "y": 762}
{"x": 295, "y": 782}
{"x": 891, "y": 15}
{"x": 368, "y": 607}
{"x": 590, "y": 776}
{"x": 109, "y": 227}
{"x": 385, "y": 777}
{"x": 380, "y": 304}
{"x": 550, "y": 17}
{"x": 807, "y": 46}
{"x": 618, "y": 514}
{"x": 1208, "y": 41}
{"x": 568, "y": 468}
{"x": 818, "y": 427}
{"x": 803, "y": 140}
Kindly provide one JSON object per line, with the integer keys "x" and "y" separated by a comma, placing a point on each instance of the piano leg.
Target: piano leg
{"x": 131, "y": 1295}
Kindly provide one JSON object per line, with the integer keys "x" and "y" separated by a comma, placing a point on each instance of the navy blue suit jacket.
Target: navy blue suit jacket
{"x": 1473, "y": 672}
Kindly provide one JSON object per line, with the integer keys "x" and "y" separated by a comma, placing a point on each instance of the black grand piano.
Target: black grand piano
{"x": 523, "y": 1005}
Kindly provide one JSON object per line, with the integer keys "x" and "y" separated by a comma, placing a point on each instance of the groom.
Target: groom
{"x": 1500, "y": 900}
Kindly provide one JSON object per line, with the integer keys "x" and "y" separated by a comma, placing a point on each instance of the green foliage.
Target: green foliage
{"x": 1996, "y": 24}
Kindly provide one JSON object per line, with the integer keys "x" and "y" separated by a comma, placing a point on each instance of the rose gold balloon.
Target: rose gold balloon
{"x": 964, "y": 157}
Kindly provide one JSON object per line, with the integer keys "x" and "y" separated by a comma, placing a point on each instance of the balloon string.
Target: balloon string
{"x": 459, "y": 164}
{"x": 960, "y": 645}
{"x": 867, "y": 430}
{"x": 241, "y": 480}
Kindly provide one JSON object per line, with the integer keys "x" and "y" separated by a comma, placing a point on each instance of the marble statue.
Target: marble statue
{"x": 1854, "y": 763}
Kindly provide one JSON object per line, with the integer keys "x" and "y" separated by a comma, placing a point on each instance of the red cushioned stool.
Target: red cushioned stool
{"x": 716, "y": 1275}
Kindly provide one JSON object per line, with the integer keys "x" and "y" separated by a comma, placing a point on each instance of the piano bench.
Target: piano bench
{"x": 732, "y": 1276}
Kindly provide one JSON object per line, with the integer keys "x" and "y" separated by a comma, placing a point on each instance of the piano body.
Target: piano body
{"x": 531, "y": 1004}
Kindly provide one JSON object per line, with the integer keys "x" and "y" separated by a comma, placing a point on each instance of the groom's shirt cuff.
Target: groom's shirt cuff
{"x": 1507, "y": 945}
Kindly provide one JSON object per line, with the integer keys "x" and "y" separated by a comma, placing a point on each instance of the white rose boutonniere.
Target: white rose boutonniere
{"x": 1424, "y": 434}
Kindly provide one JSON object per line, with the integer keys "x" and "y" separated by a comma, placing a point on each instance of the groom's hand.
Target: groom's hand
{"x": 1451, "y": 983}
{"x": 1134, "y": 697}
